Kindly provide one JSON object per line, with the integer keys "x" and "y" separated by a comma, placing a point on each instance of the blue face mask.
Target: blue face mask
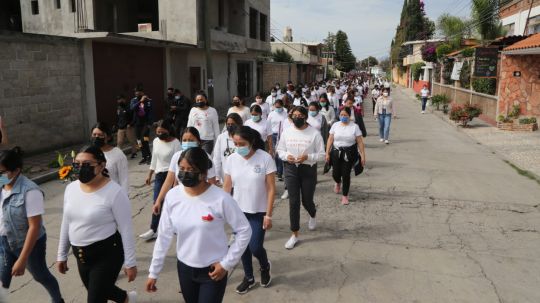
{"x": 279, "y": 110}
{"x": 256, "y": 118}
{"x": 189, "y": 144}
{"x": 4, "y": 180}
{"x": 313, "y": 113}
{"x": 243, "y": 150}
{"x": 344, "y": 119}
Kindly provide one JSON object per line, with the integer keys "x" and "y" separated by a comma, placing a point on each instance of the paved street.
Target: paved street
{"x": 436, "y": 218}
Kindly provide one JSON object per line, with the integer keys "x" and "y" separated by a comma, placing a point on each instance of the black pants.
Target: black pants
{"x": 300, "y": 181}
{"x": 142, "y": 132}
{"x": 197, "y": 287}
{"x": 99, "y": 265}
{"x": 341, "y": 170}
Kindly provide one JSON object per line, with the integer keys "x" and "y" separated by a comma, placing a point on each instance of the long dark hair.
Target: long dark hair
{"x": 236, "y": 118}
{"x": 98, "y": 155}
{"x": 325, "y": 97}
{"x": 104, "y": 127}
{"x": 166, "y": 124}
{"x": 192, "y": 130}
{"x": 250, "y": 135}
{"x": 197, "y": 158}
{"x": 12, "y": 159}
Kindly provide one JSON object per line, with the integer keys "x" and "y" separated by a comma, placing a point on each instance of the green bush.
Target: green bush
{"x": 465, "y": 75}
{"x": 443, "y": 49}
{"x": 516, "y": 111}
{"x": 531, "y": 120}
{"x": 485, "y": 85}
{"x": 468, "y": 52}
{"x": 447, "y": 72}
{"x": 416, "y": 70}
{"x": 438, "y": 100}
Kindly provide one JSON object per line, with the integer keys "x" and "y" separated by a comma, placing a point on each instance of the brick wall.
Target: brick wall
{"x": 524, "y": 90}
{"x": 277, "y": 72}
{"x": 40, "y": 91}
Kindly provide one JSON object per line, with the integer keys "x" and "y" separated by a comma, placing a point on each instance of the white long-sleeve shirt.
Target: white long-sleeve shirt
{"x": 329, "y": 115}
{"x": 162, "y": 153}
{"x": 206, "y": 121}
{"x": 117, "y": 165}
{"x": 298, "y": 142}
{"x": 92, "y": 217}
{"x": 263, "y": 127}
{"x": 199, "y": 225}
{"x": 244, "y": 113}
{"x": 222, "y": 150}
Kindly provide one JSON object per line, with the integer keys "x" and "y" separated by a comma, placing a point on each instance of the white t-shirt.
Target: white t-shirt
{"x": 276, "y": 121}
{"x": 271, "y": 100}
{"x": 316, "y": 121}
{"x": 205, "y": 121}
{"x": 424, "y": 92}
{"x": 243, "y": 113}
{"x": 265, "y": 107}
{"x": 198, "y": 223}
{"x": 263, "y": 127}
{"x": 33, "y": 202}
{"x": 174, "y": 168}
{"x": 162, "y": 153}
{"x": 249, "y": 180}
{"x": 92, "y": 217}
{"x": 345, "y": 134}
{"x": 296, "y": 142}
{"x": 222, "y": 150}
{"x": 117, "y": 165}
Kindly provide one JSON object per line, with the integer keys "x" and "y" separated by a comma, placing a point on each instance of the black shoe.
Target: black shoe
{"x": 133, "y": 155}
{"x": 266, "y": 275}
{"x": 148, "y": 162}
{"x": 143, "y": 161}
{"x": 245, "y": 285}
{"x": 280, "y": 177}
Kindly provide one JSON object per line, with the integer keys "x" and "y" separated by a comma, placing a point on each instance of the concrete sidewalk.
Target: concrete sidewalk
{"x": 522, "y": 149}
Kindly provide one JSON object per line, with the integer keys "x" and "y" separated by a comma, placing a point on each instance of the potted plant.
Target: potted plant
{"x": 464, "y": 114}
{"x": 437, "y": 100}
{"x": 505, "y": 123}
{"x": 527, "y": 124}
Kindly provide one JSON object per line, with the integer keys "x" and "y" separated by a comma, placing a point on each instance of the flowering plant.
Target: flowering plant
{"x": 429, "y": 52}
{"x": 65, "y": 172}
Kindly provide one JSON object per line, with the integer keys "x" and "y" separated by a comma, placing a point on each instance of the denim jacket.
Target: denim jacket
{"x": 14, "y": 213}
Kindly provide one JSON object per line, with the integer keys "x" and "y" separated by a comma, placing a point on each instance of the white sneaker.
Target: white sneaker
{"x": 132, "y": 297}
{"x": 312, "y": 223}
{"x": 285, "y": 195}
{"x": 423, "y": 112}
{"x": 387, "y": 142}
{"x": 382, "y": 140}
{"x": 292, "y": 242}
{"x": 150, "y": 234}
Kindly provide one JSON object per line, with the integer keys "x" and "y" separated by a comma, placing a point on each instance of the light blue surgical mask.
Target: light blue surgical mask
{"x": 323, "y": 104}
{"x": 344, "y": 119}
{"x": 243, "y": 150}
{"x": 189, "y": 144}
{"x": 256, "y": 118}
{"x": 279, "y": 110}
{"x": 4, "y": 180}
{"x": 313, "y": 113}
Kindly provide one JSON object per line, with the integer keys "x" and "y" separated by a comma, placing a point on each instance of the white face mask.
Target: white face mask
{"x": 274, "y": 94}
{"x": 385, "y": 94}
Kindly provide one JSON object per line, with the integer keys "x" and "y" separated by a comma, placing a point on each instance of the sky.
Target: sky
{"x": 369, "y": 24}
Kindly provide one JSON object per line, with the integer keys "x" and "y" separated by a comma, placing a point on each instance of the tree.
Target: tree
{"x": 384, "y": 63}
{"x": 454, "y": 29}
{"x": 345, "y": 60}
{"x": 368, "y": 62}
{"x": 486, "y": 15}
{"x": 282, "y": 55}
{"x": 329, "y": 43}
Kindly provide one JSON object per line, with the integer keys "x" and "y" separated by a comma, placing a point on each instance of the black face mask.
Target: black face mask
{"x": 236, "y": 103}
{"x": 163, "y": 136}
{"x": 200, "y": 104}
{"x": 299, "y": 122}
{"x": 98, "y": 142}
{"x": 189, "y": 179}
{"x": 230, "y": 128}
{"x": 86, "y": 173}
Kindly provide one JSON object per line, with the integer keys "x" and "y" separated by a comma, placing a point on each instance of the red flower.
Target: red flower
{"x": 208, "y": 218}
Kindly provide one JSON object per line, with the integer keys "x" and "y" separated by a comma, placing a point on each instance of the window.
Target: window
{"x": 73, "y": 6}
{"x": 253, "y": 14}
{"x": 534, "y": 25}
{"x": 58, "y": 4}
{"x": 35, "y": 7}
{"x": 262, "y": 24}
{"x": 510, "y": 29}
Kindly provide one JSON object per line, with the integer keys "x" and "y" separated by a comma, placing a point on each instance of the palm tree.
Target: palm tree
{"x": 454, "y": 29}
{"x": 486, "y": 19}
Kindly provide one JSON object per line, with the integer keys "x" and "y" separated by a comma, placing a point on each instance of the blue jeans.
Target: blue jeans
{"x": 197, "y": 287}
{"x": 279, "y": 162}
{"x": 256, "y": 244}
{"x": 424, "y": 102}
{"x": 36, "y": 265}
{"x": 158, "y": 183}
{"x": 384, "y": 125}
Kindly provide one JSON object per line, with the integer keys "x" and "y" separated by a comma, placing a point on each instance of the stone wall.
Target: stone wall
{"x": 277, "y": 72}
{"x": 524, "y": 90}
{"x": 40, "y": 91}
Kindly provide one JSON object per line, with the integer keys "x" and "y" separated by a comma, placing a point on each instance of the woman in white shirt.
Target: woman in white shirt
{"x": 239, "y": 108}
{"x": 301, "y": 147}
{"x": 327, "y": 110}
{"x": 265, "y": 106}
{"x": 190, "y": 139}
{"x": 276, "y": 119}
{"x": 384, "y": 108}
{"x": 163, "y": 149}
{"x": 97, "y": 223}
{"x": 317, "y": 120}
{"x": 299, "y": 100}
{"x": 196, "y": 213}
{"x": 375, "y": 94}
{"x": 205, "y": 119}
{"x": 260, "y": 124}
{"x": 344, "y": 149}
{"x": 272, "y": 98}
{"x": 424, "y": 94}
{"x": 251, "y": 172}
{"x": 225, "y": 144}
{"x": 117, "y": 163}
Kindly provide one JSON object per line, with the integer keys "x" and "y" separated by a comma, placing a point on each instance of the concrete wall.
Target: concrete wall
{"x": 524, "y": 90}
{"x": 276, "y": 72}
{"x": 180, "y": 19}
{"x": 41, "y": 91}
{"x": 51, "y": 20}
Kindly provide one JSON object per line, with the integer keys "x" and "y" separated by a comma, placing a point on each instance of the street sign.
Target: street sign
{"x": 485, "y": 65}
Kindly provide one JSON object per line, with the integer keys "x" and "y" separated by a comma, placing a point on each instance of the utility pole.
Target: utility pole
{"x": 208, "y": 51}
